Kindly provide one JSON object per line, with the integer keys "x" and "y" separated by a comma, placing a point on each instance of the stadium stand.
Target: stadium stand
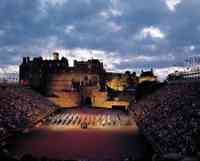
{"x": 170, "y": 118}
{"x": 20, "y": 108}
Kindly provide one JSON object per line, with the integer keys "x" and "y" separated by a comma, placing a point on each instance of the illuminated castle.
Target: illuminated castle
{"x": 147, "y": 76}
{"x": 86, "y": 82}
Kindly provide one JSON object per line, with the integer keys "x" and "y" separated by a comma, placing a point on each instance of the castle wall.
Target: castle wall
{"x": 67, "y": 99}
{"x": 69, "y": 86}
{"x": 99, "y": 99}
{"x": 61, "y": 91}
{"x": 63, "y": 81}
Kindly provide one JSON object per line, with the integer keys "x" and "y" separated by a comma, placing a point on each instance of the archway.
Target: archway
{"x": 88, "y": 101}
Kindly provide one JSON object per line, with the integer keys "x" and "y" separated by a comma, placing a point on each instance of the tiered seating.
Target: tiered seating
{"x": 170, "y": 118}
{"x": 20, "y": 108}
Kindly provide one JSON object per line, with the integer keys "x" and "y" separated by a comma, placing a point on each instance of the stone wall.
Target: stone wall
{"x": 67, "y": 99}
{"x": 63, "y": 81}
{"x": 99, "y": 99}
{"x": 60, "y": 91}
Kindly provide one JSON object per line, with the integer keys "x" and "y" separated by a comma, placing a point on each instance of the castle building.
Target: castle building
{"x": 86, "y": 82}
{"x": 147, "y": 76}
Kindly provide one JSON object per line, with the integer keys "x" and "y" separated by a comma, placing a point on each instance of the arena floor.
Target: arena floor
{"x": 94, "y": 118}
{"x": 111, "y": 135}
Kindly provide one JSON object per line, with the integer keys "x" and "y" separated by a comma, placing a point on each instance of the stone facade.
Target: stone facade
{"x": 86, "y": 82}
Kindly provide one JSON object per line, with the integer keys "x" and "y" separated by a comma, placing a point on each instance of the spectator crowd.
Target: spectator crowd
{"x": 170, "y": 118}
{"x": 20, "y": 108}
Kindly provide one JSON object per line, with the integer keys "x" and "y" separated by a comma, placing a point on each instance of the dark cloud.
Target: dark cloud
{"x": 34, "y": 27}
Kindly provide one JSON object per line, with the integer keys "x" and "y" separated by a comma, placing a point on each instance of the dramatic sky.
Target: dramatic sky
{"x": 124, "y": 34}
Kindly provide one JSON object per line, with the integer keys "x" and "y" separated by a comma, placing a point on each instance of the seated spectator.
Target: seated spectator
{"x": 21, "y": 108}
{"x": 169, "y": 118}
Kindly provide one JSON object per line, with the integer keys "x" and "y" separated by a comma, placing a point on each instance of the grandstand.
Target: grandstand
{"x": 191, "y": 71}
{"x": 21, "y": 108}
{"x": 28, "y": 120}
{"x": 170, "y": 118}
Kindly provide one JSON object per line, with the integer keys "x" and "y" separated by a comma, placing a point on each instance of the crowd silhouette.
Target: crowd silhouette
{"x": 170, "y": 118}
{"x": 20, "y": 108}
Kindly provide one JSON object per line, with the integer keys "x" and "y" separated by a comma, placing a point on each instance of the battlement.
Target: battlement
{"x": 59, "y": 65}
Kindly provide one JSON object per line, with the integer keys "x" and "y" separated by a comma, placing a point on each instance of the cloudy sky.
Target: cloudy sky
{"x": 124, "y": 34}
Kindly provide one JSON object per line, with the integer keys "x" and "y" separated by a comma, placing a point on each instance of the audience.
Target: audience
{"x": 170, "y": 118}
{"x": 20, "y": 108}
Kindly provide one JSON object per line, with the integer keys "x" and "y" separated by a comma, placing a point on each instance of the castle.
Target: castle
{"x": 84, "y": 83}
